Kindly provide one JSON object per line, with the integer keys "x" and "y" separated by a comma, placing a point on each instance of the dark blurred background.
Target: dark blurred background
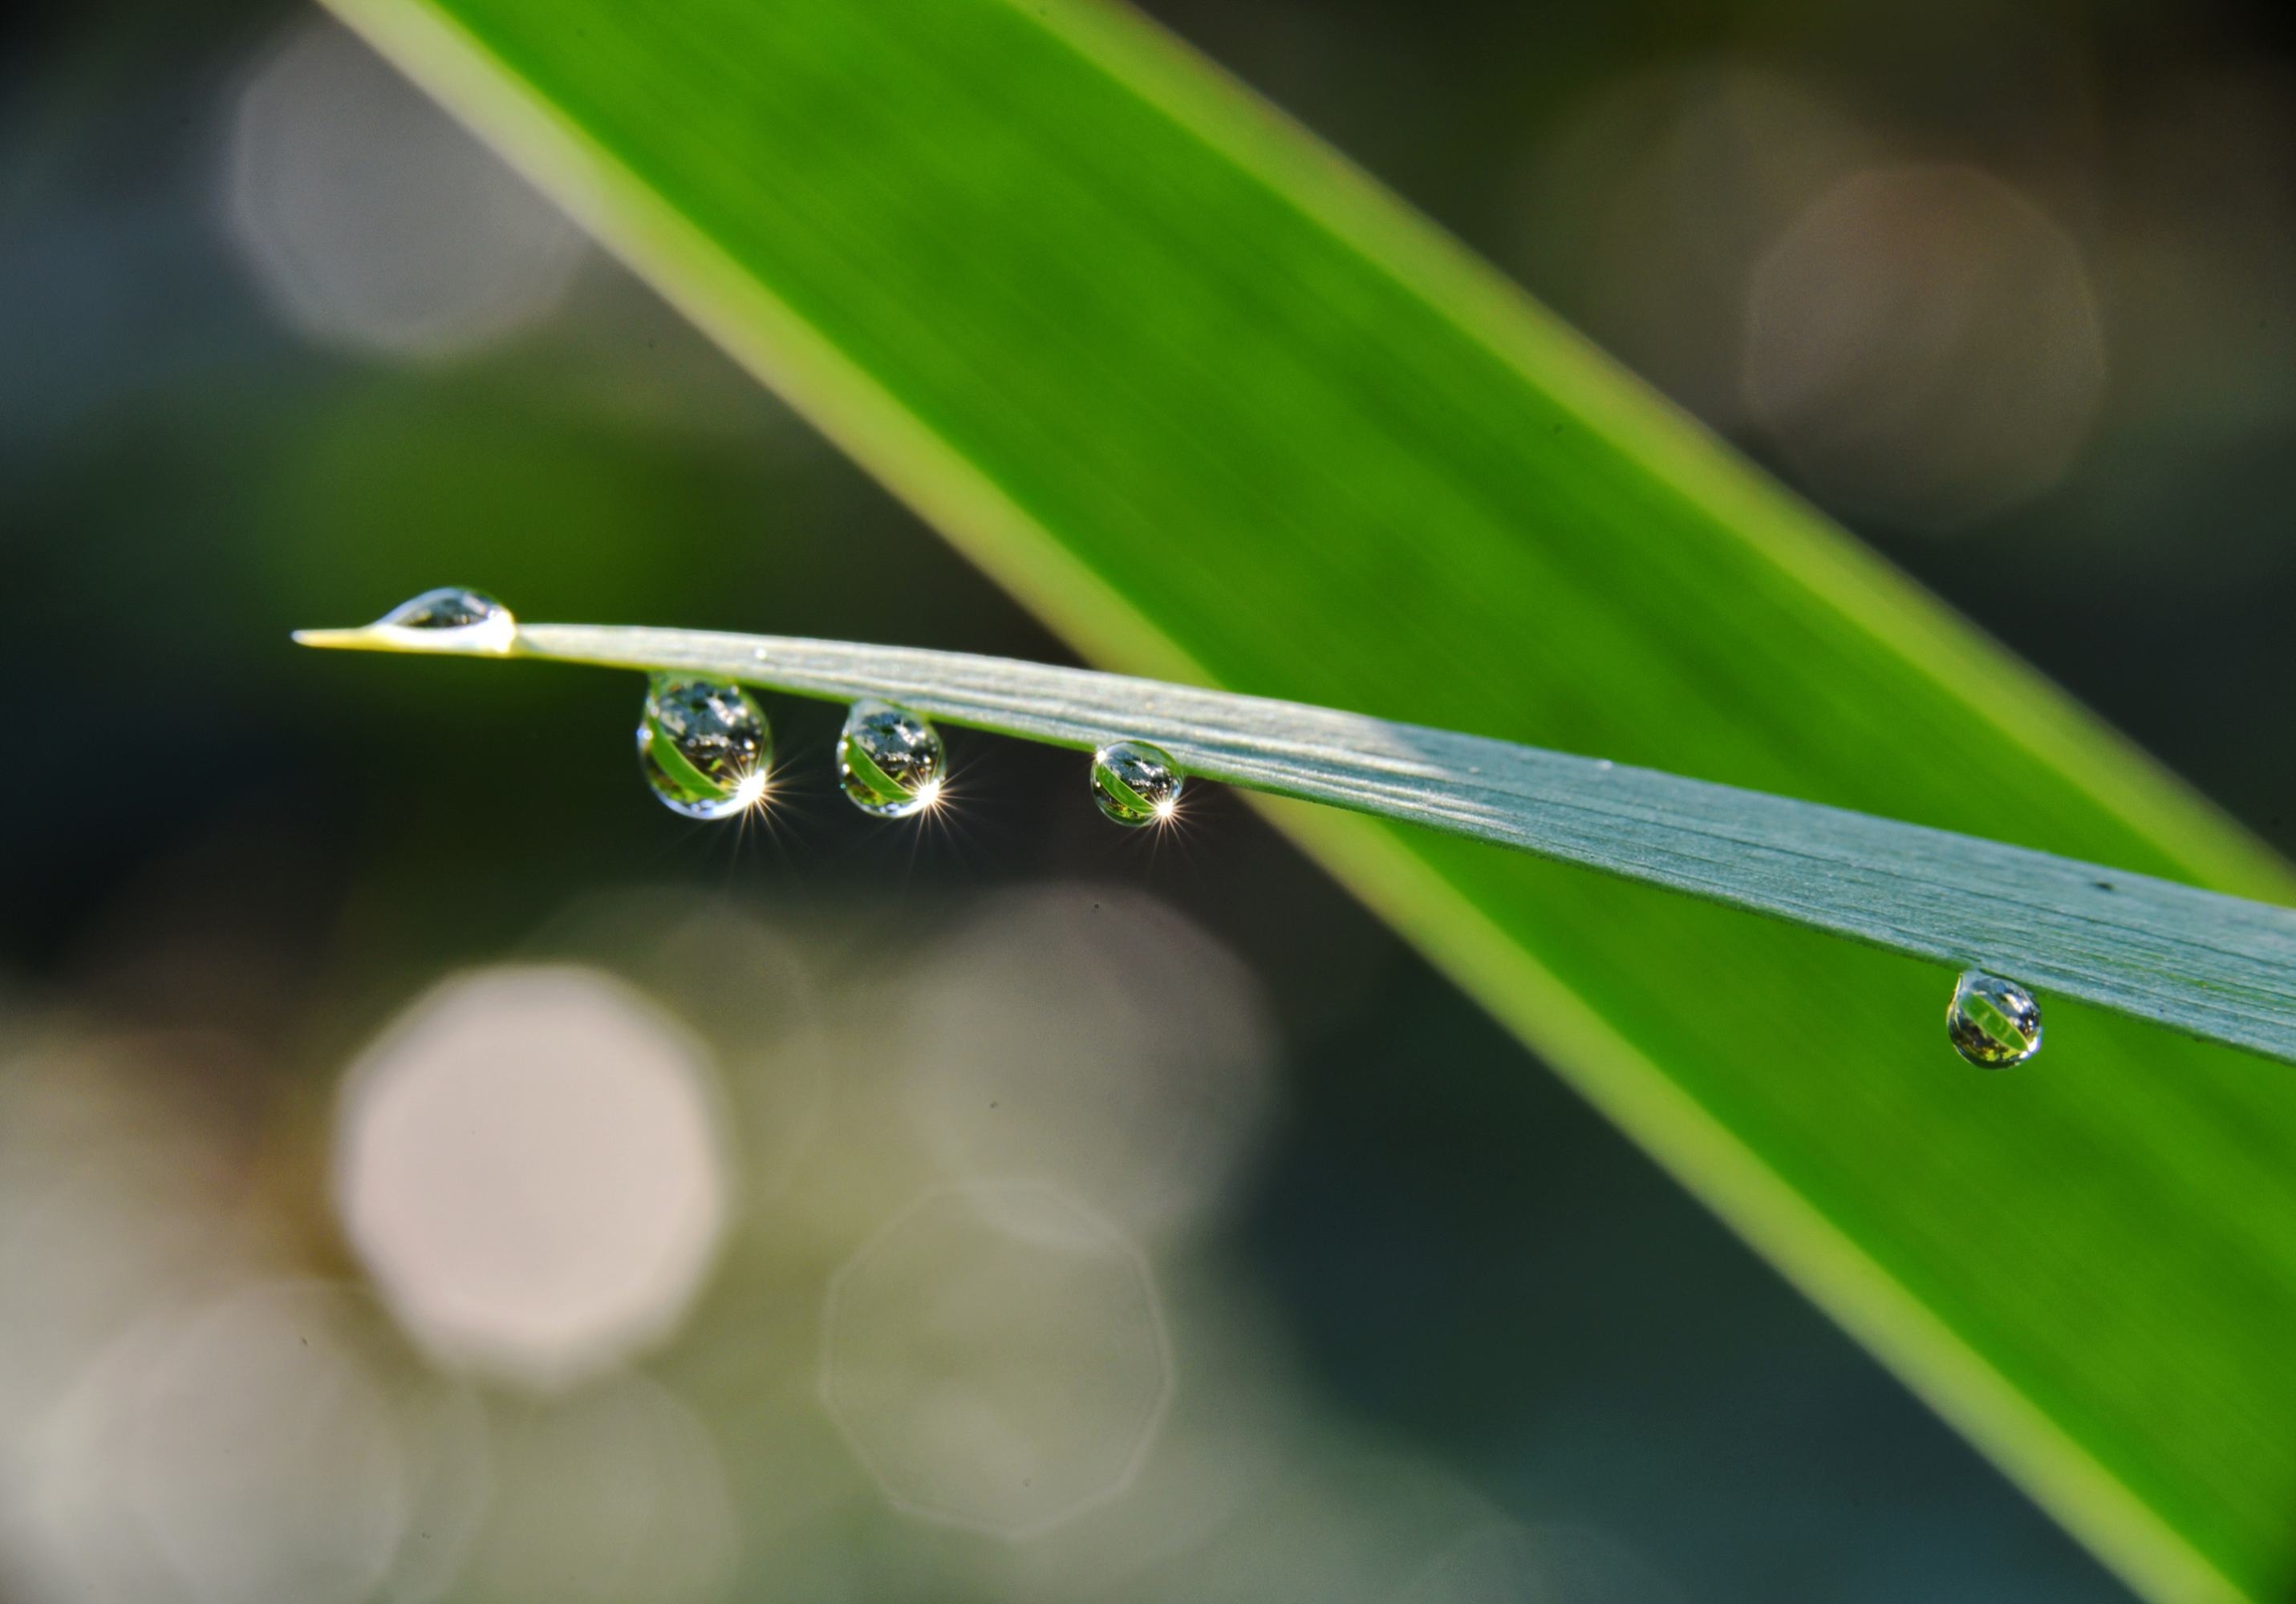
{"x": 429, "y": 1169}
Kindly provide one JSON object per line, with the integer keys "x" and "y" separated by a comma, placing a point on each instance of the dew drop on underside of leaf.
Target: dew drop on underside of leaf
{"x": 888, "y": 760}
{"x": 704, "y": 746}
{"x": 1992, "y": 1022}
{"x": 1135, "y": 783}
{"x": 454, "y": 613}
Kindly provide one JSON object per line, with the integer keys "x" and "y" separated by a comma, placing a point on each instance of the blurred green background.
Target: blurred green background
{"x": 1012, "y": 1209}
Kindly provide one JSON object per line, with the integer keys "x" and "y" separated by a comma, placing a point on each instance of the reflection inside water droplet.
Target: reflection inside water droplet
{"x": 704, "y": 746}
{"x": 452, "y": 611}
{"x": 888, "y": 760}
{"x": 1993, "y": 1023}
{"x": 1135, "y": 783}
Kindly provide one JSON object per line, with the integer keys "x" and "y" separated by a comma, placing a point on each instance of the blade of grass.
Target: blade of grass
{"x": 2217, "y": 967}
{"x": 1223, "y": 413}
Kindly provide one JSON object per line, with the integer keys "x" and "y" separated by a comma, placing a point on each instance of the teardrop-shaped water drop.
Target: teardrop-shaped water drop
{"x": 888, "y": 760}
{"x": 1135, "y": 783}
{"x": 468, "y": 616}
{"x": 704, "y": 746}
{"x": 1993, "y": 1023}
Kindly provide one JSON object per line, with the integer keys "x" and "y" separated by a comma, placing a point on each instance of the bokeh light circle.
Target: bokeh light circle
{"x": 1093, "y": 1037}
{"x": 371, "y": 220}
{"x": 529, "y": 1161}
{"x": 998, "y": 1380}
{"x": 1923, "y": 345}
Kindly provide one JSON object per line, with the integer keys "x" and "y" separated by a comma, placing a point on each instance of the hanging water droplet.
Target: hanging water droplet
{"x": 1993, "y": 1023}
{"x": 704, "y": 746}
{"x": 465, "y": 616}
{"x": 888, "y": 760}
{"x": 1135, "y": 783}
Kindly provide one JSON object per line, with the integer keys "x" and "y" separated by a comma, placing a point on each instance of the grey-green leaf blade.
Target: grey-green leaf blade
{"x": 2215, "y": 966}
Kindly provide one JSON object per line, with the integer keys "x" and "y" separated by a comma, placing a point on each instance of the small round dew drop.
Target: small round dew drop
{"x": 1135, "y": 783}
{"x": 888, "y": 760}
{"x": 467, "y": 617}
{"x": 1992, "y": 1022}
{"x": 703, "y": 746}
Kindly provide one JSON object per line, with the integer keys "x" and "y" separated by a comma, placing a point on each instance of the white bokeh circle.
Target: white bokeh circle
{"x": 1923, "y": 344}
{"x": 997, "y": 1380}
{"x": 1095, "y": 1038}
{"x": 530, "y": 1163}
{"x": 371, "y": 219}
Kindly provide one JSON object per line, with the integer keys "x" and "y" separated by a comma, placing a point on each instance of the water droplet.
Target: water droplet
{"x": 1135, "y": 783}
{"x": 1993, "y": 1023}
{"x": 452, "y": 611}
{"x": 705, "y": 748}
{"x": 888, "y": 760}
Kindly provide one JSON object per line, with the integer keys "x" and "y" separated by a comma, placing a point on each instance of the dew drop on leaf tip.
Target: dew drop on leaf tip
{"x": 1135, "y": 783}
{"x": 888, "y": 760}
{"x": 704, "y": 746}
{"x": 1992, "y": 1022}
{"x": 454, "y": 612}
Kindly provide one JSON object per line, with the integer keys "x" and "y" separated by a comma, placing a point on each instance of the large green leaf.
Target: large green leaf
{"x": 1222, "y": 412}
